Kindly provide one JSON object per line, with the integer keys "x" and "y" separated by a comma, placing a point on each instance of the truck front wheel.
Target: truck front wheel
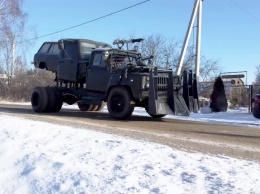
{"x": 120, "y": 104}
{"x": 39, "y": 99}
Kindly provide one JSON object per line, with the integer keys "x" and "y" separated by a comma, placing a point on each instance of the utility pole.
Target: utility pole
{"x": 198, "y": 42}
{"x": 197, "y": 11}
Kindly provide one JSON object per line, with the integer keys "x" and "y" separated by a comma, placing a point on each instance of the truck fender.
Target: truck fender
{"x": 114, "y": 81}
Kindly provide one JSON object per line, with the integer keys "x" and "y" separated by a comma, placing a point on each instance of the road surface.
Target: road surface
{"x": 217, "y": 139}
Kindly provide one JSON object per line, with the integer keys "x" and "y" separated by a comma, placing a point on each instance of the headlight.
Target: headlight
{"x": 145, "y": 82}
{"x": 146, "y": 86}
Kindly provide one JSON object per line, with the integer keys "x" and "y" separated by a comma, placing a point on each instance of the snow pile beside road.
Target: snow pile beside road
{"x": 39, "y": 157}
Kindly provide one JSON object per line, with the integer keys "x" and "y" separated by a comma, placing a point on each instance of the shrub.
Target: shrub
{"x": 218, "y": 97}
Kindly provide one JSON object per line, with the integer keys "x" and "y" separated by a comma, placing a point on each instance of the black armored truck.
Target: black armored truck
{"x": 91, "y": 73}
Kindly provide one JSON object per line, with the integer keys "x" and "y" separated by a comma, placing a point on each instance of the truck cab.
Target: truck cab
{"x": 100, "y": 67}
{"x": 74, "y": 59}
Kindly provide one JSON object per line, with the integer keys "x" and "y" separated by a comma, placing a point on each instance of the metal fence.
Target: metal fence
{"x": 237, "y": 95}
{"x": 240, "y": 96}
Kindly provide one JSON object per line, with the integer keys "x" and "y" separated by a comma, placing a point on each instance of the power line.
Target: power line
{"x": 246, "y": 11}
{"x": 87, "y": 22}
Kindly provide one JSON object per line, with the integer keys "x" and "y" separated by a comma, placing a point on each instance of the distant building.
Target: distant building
{"x": 231, "y": 85}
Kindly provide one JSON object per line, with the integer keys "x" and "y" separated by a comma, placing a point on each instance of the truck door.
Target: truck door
{"x": 68, "y": 66}
{"x": 52, "y": 58}
{"x": 98, "y": 73}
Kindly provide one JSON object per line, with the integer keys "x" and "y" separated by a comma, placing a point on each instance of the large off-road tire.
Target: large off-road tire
{"x": 85, "y": 107}
{"x": 54, "y": 100}
{"x": 120, "y": 103}
{"x": 39, "y": 99}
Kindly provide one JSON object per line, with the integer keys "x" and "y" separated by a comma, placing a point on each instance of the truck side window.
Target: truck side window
{"x": 54, "y": 49}
{"x": 97, "y": 59}
{"x": 44, "y": 48}
{"x": 70, "y": 51}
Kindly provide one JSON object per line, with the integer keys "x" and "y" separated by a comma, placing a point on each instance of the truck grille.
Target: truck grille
{"x": 162, "y": 82}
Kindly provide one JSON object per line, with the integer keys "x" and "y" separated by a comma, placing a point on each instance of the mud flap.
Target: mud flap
{"x": 159, "y": 107}
{"x": 190, "y": 91}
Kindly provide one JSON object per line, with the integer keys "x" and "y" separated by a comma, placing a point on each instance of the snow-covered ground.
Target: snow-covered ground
{"x": 239, "y": 116}
{"x": 39, "y": 157}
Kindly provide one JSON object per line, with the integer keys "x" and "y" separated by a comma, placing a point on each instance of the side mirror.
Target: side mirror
{"x": 61, "y": 45}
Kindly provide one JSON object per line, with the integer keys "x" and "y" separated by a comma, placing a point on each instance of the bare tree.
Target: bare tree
{"x": 209, "y": 69}
{"x": 23, "y": 84}
{"x": 189, "y": 60}
{"x": 167, "y": 53}
{"x": 170, "y": 54}
{"x": 257, "y": 75}
{"x": 13, "y": 31}
{"x": 153, "y": 45}
{"x": 12, "y": 34}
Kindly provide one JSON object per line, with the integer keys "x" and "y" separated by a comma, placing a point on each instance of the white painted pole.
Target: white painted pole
{"x": 198, "y": 43}
{"x": 187, "y": 38}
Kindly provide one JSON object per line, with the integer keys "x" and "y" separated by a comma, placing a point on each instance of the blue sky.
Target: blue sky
{"x": 230, "y": 28}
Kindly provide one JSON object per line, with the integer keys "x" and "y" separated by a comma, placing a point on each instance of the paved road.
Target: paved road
{"x": 229, "y": 140}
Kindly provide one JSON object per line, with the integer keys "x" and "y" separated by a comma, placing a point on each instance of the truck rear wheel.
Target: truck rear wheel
{"x": 119, "y": 103}
{"x": 39, "y": 99}
{"x": 54, "y": 100}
